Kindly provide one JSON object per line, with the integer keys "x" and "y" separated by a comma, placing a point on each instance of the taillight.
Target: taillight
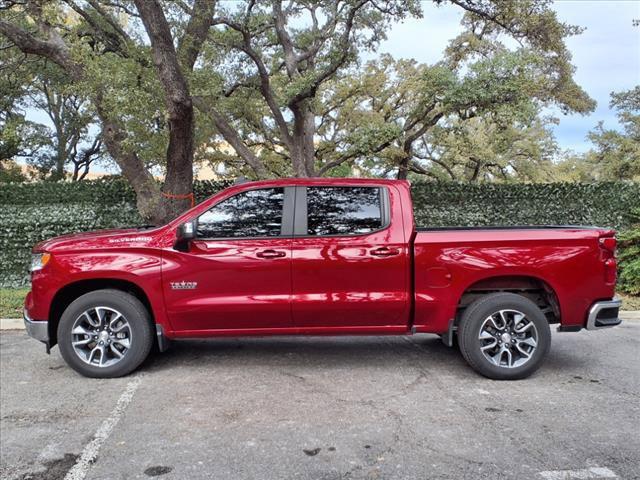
{"x": 608, "y": 249}
{"x": 608, "y": 246}
{"x": 610, "y": 271}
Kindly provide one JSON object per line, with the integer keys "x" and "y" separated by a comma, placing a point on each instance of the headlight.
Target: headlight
{"x": 39, "y": 260}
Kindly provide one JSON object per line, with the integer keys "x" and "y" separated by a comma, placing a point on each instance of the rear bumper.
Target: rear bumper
{"x": 604, "y": 314}
{"x": 36, "y": 329}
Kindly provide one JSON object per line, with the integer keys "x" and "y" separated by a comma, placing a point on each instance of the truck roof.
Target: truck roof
{"x": 283, "y": 182}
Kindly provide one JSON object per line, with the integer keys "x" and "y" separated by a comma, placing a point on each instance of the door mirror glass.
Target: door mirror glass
{"x": 187, "y": 231}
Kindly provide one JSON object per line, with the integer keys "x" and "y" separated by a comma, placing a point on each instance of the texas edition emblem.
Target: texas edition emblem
{"x": 183, "y": 285}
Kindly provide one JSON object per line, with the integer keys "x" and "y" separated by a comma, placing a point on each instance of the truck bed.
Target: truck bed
{"x": 561, "y": 260}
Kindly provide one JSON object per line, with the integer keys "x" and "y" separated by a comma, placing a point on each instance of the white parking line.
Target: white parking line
{"x": 90, "y": 451}
{"x": 593, "y": 472}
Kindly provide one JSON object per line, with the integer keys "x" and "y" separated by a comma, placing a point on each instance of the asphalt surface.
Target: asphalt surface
{"x": 324, "y": 408}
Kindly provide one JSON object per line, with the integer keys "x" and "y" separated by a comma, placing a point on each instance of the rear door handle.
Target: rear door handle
{"x": 271, "y": 254}
{"x": 385, "y": 252}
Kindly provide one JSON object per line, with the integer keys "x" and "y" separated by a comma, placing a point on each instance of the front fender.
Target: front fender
{"x": 69, "y": 275}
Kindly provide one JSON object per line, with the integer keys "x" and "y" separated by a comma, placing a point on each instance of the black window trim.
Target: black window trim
{"x": 300, "y": 226}
{"x": 286, "y": 228}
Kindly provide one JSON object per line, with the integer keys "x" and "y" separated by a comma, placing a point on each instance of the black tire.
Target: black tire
{"x": 141, "y": 329}
{"x": 471, "y": 324}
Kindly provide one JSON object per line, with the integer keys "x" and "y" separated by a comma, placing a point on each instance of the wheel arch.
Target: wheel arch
{"x": 535, "y": 288}
{"x": 67, "y": 294}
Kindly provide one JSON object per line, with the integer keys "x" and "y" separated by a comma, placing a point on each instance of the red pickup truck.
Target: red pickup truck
{"x": 319, "y": 257}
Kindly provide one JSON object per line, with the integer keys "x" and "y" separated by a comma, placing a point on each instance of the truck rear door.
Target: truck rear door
{"x": 350, "y": 260}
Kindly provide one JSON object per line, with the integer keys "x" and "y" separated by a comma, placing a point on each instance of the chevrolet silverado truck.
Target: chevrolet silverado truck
{"x": 319, "y": 257}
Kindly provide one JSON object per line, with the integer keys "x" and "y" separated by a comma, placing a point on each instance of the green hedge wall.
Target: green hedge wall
{"x": 602, "y": 204}
{"x": 629, "y": 257}
{"x": 31, "y": 212}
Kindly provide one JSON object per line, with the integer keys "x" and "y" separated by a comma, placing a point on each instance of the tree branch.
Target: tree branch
{"x": 231, "y": 136}
{"x": 54, "y": 48}
{"x": 332, "y": 68}
{"x": 290, "y": 59}
{"x": 164, "y": 56}
{"x": 196, "y": 32}
{"x": 265, "y": 83}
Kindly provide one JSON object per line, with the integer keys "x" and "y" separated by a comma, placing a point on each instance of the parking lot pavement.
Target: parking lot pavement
{"x": 323, "y": 408}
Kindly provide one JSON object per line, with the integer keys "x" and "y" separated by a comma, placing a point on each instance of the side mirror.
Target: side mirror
{"x": 186, "y": 232}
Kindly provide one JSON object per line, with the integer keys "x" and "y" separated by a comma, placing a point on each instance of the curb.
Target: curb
{"x": 18, "y": 323}
{"x": 11, "y": 324}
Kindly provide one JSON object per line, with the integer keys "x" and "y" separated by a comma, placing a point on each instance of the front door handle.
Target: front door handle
{"x": 385, "y": 252}
{"x": 271, "y": 254}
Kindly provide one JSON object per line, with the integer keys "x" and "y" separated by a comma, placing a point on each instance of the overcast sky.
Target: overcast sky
{"x": 606, "y": 55}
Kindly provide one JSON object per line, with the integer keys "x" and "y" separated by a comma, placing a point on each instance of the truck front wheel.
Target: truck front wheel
{"x": 504, "y": 336}
{"x": 105, "y": 334}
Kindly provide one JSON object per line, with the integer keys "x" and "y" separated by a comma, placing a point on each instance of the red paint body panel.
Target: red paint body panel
{"x": 325, "y": 285}
{"x": 337, "y": 282}
{"x": 235, "y": 288}
{"x": 568, "y": 261}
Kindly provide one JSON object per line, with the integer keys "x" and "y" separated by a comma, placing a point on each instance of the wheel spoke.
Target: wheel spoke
{"x": 93, "y": 351}
{"x": 493, "y": 322}
{"x": 529, "y": 341}
{"x": 523, "y": 352}
{"x": 509, "y": 357}
{"x": 525, "y": 328}
{"x": 114, "y": 320}
{"x": 79, "y": 343}
{"x": 517, "y": 318}
{"x": 504, "y": 318}
{"x": 120, "y": 328}
{"x": 497, "y": 357}
{"x": 101, "y": 313}
{"x": 122, "y": 341}
{"x": 80, "y": 330}
{"x": 103, "y": 353}
{"x": 118, "y": 353}
{"x": 484, "y": 335}
{"x": 489, "y": 346}
{"x": 90, "y": 320}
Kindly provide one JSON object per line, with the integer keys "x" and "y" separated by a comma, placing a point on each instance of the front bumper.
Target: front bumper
{"x": 604, "y": 314}
{"x": 36, "y": 329}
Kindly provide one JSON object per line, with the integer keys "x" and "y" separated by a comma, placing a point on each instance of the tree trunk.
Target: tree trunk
{"x": 403, "y": 168}
{"x": 178, "y": 184}
{"x": 61, "y": 151}
{"x": 303, "y": 151}
{"x": 148, "y": 194}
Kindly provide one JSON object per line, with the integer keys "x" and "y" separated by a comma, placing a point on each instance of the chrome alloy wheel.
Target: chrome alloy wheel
{"x": 508, "y": 338}
{"x": 101, "y": 336}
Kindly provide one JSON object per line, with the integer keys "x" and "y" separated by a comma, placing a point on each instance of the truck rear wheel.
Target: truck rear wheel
{"x": 105, "y": 334}
{"x": 504, "y": 336}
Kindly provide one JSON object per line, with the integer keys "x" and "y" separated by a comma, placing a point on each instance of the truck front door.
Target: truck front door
{"x": 237, "y": 272}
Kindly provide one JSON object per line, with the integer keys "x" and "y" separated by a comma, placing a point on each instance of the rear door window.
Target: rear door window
{"x": 344, "y": 210}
